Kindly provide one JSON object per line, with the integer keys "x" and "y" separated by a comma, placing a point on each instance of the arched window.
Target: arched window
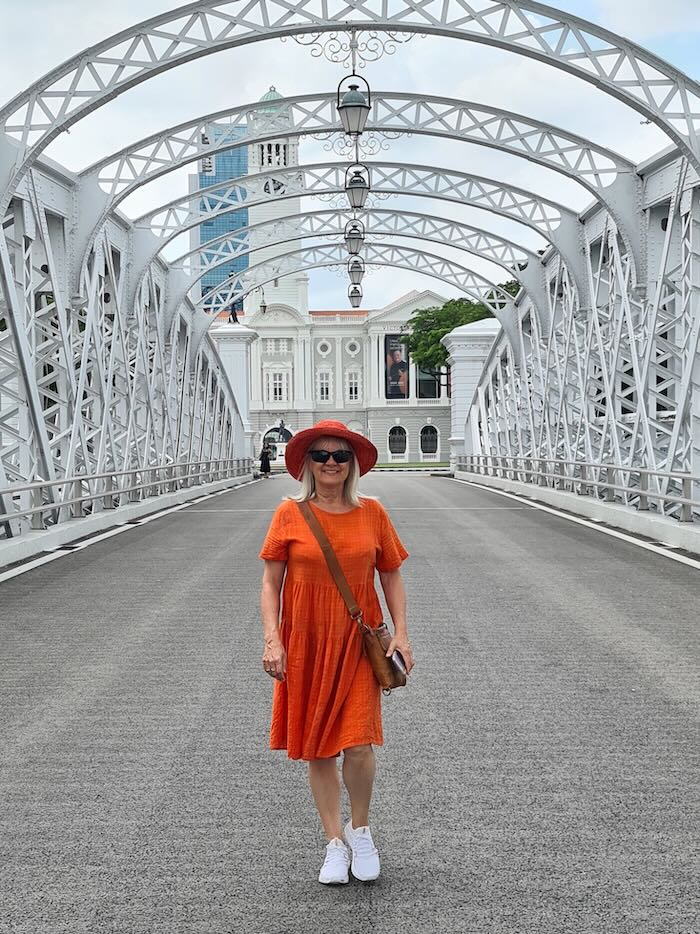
{"x": 429, "y": 439}
{"x": 397, "y": 440}
{"x": 277, "y": 436}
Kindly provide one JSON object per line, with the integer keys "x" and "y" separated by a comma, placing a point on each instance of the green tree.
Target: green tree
{"x": 429, "y": 325}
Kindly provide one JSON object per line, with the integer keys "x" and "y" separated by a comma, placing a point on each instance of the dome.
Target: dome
{"x": 269, "y": 98}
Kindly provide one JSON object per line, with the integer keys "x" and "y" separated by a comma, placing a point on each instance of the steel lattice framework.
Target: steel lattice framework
{"x": 615, "y": 382}
{"x": 609, "y": 177}
{"x": 621, "y": 68}
{"x": 382, "y": 223}
{"x": 104, "y": 360}
{"x": 97, "y": 382}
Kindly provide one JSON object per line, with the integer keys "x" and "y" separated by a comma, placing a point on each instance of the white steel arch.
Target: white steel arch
{"x": 471, "y": 283}
{"x": 608, "y": 176}
{"x": 378, "y": 221}
{"x": 613, "y": 64}
{"x": 518, "y": 262}
{"x": 557, "y": 224}
{"x": 554, "y": 222}
{"x": 594, "y": 166}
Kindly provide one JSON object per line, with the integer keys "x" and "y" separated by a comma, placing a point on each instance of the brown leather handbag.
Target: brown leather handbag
{"x": 389, "y": 672}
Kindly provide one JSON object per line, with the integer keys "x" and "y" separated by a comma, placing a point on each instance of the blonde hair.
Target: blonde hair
{"x": 351, "y": 494}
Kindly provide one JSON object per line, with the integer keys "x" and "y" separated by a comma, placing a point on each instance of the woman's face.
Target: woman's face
{"x": 329, "y": 474}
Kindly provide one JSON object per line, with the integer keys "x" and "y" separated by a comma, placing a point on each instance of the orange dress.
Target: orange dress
{"x": 330, "y": 699}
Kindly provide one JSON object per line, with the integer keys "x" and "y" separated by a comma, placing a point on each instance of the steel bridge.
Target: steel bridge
{"x": 111, "y": 390}
{"x": 110, "y": 387}
{"x": 540, "y": 776}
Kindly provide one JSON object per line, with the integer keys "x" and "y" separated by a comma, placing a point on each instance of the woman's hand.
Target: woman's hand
{"x": 401, "y": 643}
{"x": 275, "y": 659}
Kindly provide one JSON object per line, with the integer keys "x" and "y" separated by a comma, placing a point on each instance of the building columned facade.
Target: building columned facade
{"x": 306, "y": 365}
{"x": 349, "y": 366}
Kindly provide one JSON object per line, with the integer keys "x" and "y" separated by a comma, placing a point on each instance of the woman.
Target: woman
{"x": 326, "y": 700}
{"x": 265, "y": 460}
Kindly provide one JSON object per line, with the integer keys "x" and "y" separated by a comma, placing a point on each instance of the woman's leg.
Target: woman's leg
{"x": 325, "y": 787}
{"x": 359, "y": 767}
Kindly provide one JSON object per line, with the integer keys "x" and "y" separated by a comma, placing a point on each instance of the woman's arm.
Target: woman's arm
{"x": 395, "y": 593}
{"x": 274, "y": 657}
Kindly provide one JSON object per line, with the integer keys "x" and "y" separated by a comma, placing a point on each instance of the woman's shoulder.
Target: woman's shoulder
{"x": 373, "y": 505}
{"x": 286, "y": 510}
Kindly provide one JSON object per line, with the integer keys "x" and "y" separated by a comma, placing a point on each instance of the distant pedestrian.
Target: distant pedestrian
{"x": 326, "y": 699}
{"x": 265, "y": 461}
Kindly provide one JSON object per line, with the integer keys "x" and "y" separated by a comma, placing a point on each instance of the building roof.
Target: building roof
{"x": 270, "y": 97}
{"x": 358, "y": 312}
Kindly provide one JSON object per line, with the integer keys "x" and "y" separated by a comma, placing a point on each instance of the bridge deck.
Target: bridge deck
{"x": 537, "y": 774}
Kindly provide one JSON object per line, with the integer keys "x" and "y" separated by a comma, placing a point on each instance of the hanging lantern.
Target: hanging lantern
{"x": 356, "y": 270}
{"x": 353, "y": 104}
{"x": 354, "y": 236}
{"x": 355, "y": 295}
{"x": 263, "y": 303}
{"x": 357, "y": 185}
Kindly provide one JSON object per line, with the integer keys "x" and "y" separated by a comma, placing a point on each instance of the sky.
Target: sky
{"x": 36, "y": 35}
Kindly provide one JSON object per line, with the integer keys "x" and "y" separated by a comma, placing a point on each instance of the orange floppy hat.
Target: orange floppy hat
{"x": 296, "y": 449}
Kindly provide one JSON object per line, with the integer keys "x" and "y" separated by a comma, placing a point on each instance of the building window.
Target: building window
{"x": 428, "y": 439}
{"x": 277, "y": 386}
{"x": 323, "y": 385}
{"x": 428, "y": 384}
{"x": 397, "y": 440}
{"x": 275, "y": 345}
{"x": 207, "y": 165}
{"x": 272, "y": 154}
{"x": 352, "y": 386}
{"x": 324, "y": 348}
{"x": 353, "y": 348}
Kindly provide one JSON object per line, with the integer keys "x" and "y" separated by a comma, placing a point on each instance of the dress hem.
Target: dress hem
{"x": 333, "y": 755}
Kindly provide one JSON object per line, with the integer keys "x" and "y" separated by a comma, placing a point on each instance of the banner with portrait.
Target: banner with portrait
{"x": 396, "y": 367}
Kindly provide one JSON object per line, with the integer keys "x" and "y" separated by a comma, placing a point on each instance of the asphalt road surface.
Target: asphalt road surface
{"x": 539, "y": 774}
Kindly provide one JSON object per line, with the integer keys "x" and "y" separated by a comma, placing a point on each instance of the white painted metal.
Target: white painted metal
{"x": 93, "y": 382}
{"x": 609, "y": 177}
{"x": 615, "y": 65}
{"x": 612, "y": 383}
{"x": 518, "y": 262}
{"x": 105, "y": 368}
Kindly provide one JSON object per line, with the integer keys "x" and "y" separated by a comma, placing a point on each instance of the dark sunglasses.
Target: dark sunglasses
{"x": 322, "y": 457}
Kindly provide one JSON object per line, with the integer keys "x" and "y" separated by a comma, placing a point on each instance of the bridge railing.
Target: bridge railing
{"x": 666, "y": 492}
{"x": 45, "y": 503}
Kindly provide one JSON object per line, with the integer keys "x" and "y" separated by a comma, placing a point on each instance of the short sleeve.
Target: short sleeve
{"x": 276, "y": 544}
{"x": 391, "y": 550}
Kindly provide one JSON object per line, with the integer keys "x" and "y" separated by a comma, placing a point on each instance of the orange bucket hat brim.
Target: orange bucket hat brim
{"x": 296, "y": 449}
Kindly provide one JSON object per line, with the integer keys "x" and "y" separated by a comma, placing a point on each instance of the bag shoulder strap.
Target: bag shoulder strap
{"x": 332, "y": 561}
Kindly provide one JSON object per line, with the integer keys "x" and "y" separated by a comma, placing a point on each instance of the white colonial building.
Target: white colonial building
{"x": 336, "y": 364}
{"x": 304, "y": 365}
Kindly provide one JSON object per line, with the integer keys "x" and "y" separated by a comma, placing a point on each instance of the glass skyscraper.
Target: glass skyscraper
{"x": 222, "y": 167}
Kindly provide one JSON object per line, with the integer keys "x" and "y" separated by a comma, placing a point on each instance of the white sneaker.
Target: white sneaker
{"x": 335, "y": 866}
{"x": 365, "y": 856}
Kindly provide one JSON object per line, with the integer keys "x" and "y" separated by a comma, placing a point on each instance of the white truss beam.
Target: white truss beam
{"x": 609, "y": 177}
{"x": 613, "y": 64}
{"x": 615, "y": 382}
{"x": 471, "y": 283}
